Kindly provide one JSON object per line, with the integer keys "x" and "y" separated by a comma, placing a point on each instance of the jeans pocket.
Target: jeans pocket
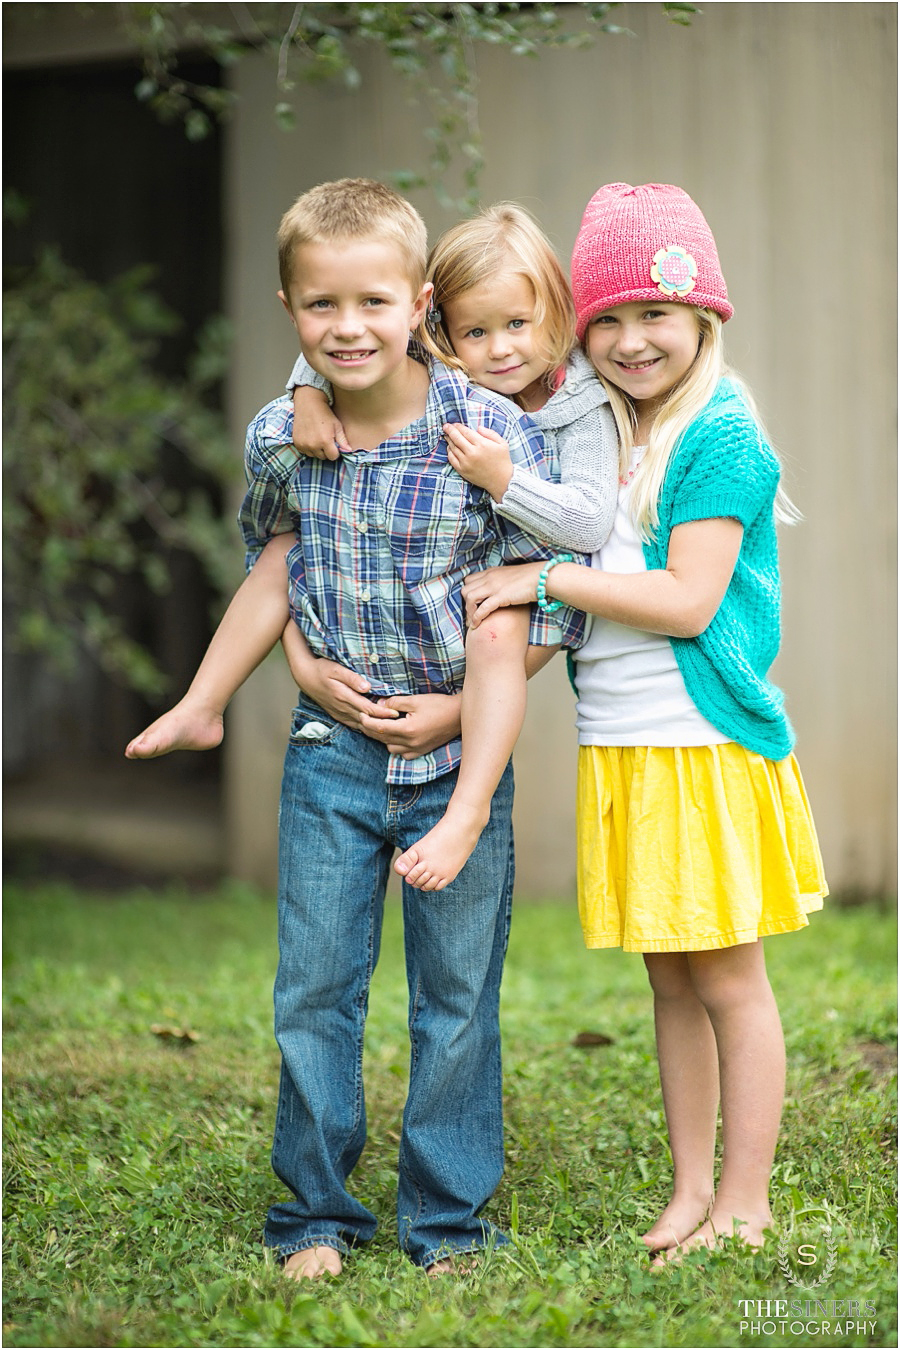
{"x": 311, "y": 726}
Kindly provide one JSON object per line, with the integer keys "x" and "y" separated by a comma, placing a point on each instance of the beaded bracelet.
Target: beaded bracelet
{"x": 549, "y": 606}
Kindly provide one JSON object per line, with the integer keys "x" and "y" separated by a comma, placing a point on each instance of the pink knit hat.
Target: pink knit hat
{"x": 644, "y": 243}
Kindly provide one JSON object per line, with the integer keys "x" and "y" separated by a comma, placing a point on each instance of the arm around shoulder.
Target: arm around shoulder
{"x": 304, "y": 377}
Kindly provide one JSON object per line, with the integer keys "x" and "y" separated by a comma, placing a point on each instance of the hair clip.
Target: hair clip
{"x": 433, "y": 316}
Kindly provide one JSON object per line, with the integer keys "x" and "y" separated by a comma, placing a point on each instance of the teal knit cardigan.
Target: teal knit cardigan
{"x": 722, "y": 466}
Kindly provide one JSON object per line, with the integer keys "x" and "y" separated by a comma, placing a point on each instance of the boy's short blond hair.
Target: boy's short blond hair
{"x": 353, "y": 208}
{"x": 500, "y": 240}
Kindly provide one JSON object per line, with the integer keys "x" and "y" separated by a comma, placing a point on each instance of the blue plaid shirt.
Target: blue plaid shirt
{"x": 385, "y": 538}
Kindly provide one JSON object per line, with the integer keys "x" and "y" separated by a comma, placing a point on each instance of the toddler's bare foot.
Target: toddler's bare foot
{"x": 187, "y": 726}
{"x": 722, "y": 1223}
{"x": 681, "y": 1217}
{"x": 312, "y": 1263}
{"x": 440, "y": 855}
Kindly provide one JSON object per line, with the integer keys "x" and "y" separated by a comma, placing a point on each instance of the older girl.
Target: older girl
{"x": 695, "y": 836}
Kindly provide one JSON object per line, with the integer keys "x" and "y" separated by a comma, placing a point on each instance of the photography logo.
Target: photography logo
{"x": 810, "y": 1262}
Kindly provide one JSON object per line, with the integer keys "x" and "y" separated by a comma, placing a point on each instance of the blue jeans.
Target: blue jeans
{"x": 339, "y": 826}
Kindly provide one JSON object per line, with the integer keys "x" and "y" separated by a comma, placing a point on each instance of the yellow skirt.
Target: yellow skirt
{"x": 690, "y": 848}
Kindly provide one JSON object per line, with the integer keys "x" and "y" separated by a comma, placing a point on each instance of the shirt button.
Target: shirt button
{"x": 363, "y": 527}
{"x": 374, "y": 658}
{"x": 365, "y": 595}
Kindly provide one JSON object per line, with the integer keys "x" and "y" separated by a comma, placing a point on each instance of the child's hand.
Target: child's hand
{"x": 317, "y": 432}
{"x": 431, "y": 720}
{"x": 481, "y": 457}
{"x": 497, "y": 587}
{"x": 336, "y": 688}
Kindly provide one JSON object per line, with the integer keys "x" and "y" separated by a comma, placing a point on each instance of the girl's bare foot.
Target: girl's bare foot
{"x": 440, "y": 855}
{"x": 187, "y": 726}
{"x": 312, "y": 1263}
{"x": 681, "y": 1217}
{"x": 722, "y": 1223}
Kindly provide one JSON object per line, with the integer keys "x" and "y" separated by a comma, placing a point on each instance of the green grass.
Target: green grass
{"x": 137, "y": 1173}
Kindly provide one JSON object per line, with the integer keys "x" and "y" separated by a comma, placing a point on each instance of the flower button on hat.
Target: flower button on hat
{"x": 674, "y": 271}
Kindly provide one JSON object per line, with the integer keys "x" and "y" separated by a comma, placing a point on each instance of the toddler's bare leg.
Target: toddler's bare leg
{"x": 250, "y": 627}
{"x": 493, "y": 709}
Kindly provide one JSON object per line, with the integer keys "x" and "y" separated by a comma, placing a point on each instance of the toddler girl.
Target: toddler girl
{"x": 695, "y": 836}
{"x": 502, "y": 311}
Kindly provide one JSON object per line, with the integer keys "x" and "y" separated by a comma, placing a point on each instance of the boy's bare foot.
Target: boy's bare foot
{"x": 436, "y": 859}
{"x": 446, "y": 1266}
{"x": 681, "y": 1217}
{"x": 450, "y": 1265}
{"x": 312, "y": 1263}
{"x": 187, "y": 726}
{"x": 722, "y": 1223}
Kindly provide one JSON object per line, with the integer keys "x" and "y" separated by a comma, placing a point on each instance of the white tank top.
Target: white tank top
{"x": 630, "y": 690}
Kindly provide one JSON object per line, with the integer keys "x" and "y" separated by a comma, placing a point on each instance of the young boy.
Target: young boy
{"x": 378, "y": 542}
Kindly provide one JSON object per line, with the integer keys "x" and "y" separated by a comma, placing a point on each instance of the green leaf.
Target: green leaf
{"x": 197, "y": 125}
{"x": 432, "y": 47}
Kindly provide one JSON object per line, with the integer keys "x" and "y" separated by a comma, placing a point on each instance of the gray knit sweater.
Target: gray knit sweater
{"x": 579, "y": 432}
{"x": 582, "y": 448}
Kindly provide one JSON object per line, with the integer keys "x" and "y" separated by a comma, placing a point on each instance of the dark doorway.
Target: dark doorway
{"x": 111, "y": 187}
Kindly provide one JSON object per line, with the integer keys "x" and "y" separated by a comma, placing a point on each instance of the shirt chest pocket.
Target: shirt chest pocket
{"x": 434, "y": 522}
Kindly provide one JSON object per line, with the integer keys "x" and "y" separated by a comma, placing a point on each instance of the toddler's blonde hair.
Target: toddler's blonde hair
{"x": 353, "y": 208}
{"x": 683, "y": 404}
{"x": 501, "y": 240}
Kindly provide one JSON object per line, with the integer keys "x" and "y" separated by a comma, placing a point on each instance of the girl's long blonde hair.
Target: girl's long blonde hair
{"x": 501, "y": 240}
{"x": 684, "y": 403}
